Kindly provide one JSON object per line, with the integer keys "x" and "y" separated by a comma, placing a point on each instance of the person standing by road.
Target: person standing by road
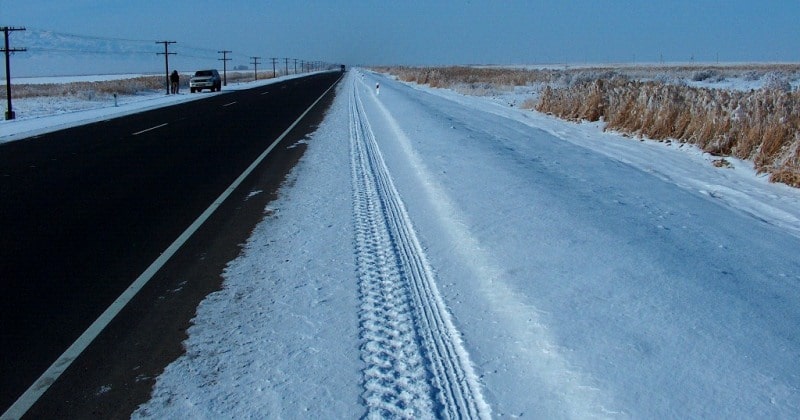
{"x": 174, "y": 81}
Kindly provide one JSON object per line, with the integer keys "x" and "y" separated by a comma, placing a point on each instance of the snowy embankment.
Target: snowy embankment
{"x": 573, "y": 277}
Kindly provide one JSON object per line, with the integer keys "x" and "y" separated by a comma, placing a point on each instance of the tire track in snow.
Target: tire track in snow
{"x": 416, "y": 365}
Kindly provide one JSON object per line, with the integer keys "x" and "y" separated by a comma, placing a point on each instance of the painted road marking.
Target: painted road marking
{"x": 229, "y": 104}
{"x": 264, "y": 93}
{"x": 148, "y": 129}
{"x": 35, "y": 391}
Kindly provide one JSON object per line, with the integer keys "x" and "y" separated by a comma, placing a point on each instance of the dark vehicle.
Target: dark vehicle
{"x": 205, "y": 79}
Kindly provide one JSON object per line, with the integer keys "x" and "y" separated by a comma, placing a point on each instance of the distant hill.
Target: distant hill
{"x": 52, "y": 53}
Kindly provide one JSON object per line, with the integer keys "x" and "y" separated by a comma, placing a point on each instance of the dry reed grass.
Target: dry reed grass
{"x": 131, "y": 86}
{"x": 446, "y": 77}
{"x": 760, "y": 125}
{"x": 91, "y": 89}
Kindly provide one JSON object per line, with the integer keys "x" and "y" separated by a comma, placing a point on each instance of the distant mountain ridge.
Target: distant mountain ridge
{"x": 51, "y": 53}
{"x": 44, "y": 42}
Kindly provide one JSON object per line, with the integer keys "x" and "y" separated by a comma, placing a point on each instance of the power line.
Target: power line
{"x": 166, "y": 55}
{"x": 255, "y": 66}
{"x": 224, "y": 60}
{"x": 193, "y": 56}
{"x": 100, "y": 38}
{"x": 8, "y": 50}
{"x": 79, "y": 51}
{"x": 49, "y": 39}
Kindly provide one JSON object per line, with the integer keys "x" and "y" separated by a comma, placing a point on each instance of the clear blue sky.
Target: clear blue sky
{"x": 440, "y": 32}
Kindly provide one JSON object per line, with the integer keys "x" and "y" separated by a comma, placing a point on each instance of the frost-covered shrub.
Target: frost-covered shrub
{"x": 702, "y": 75}
{"x": 751, "y": 76}
{"x": 670, "y": 79}
{"x": 777, "y": 81}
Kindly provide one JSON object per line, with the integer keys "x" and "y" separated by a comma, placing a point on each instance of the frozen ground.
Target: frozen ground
{"x": 435, "y": 253}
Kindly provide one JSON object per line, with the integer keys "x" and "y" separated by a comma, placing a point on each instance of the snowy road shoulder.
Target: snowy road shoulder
{"x": 281, "y": 338}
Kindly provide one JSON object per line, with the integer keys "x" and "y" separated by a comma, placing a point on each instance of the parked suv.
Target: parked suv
{"x": 205, "y": 79}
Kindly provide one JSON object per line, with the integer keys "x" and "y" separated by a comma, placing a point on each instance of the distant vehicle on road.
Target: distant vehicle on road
{"x": 205, "y": 79}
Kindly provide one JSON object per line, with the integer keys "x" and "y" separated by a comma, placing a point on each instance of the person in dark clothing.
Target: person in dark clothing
{"x": 174, "y": 80}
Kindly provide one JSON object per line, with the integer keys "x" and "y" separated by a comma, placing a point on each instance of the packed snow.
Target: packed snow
{"x": 434, "y": 253}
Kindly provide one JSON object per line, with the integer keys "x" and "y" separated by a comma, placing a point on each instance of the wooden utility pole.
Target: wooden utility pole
{"x": 166, "y": 55}
{"x": 255, "y": 66}
{"x": 8, "y": 50}
{"x": 224, "y": 60}
{"x": 274, "y": 74}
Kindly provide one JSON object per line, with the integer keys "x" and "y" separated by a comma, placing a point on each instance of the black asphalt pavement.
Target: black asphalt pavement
{"x": 84, "y": 211}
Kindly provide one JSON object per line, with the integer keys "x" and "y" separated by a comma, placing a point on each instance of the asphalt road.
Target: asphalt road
{"x": 84, "y": 211}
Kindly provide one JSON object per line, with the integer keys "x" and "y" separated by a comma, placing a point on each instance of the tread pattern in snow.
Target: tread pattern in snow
{"x": 416, "y": 366}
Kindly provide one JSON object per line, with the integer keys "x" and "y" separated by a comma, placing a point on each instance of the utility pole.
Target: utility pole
{"x": 286, "y": 60}
{"x": 7, "y": 50}
{"x": 295, "y": 66}
{"x": 166, "y": 55}
{"x": 224, "y": 60}
{"x": 255, "y": 65}
{"x": 274, "y": 74}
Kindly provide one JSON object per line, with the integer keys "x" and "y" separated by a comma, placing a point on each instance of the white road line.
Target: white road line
{"x": 264, "y": 93}
{"x": 35, "y": 391}
{"x": 229, "y": 104}
{"x": 149, "y": 129}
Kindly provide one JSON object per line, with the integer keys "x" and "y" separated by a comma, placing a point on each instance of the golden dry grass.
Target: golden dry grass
{"x": 446, "y": 77}
{"x": 130, "y": 86}
{"x": 82, "y": 89}
{"x": 761, "y": 125}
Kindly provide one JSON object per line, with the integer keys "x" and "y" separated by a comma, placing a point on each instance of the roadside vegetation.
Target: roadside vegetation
{"x": 756, "y": 117}
{"x": 89, "y": 90}
{"x": 107, "y": 88}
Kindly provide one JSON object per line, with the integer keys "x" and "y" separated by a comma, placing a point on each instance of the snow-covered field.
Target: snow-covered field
{"x": 435, "y": 253}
